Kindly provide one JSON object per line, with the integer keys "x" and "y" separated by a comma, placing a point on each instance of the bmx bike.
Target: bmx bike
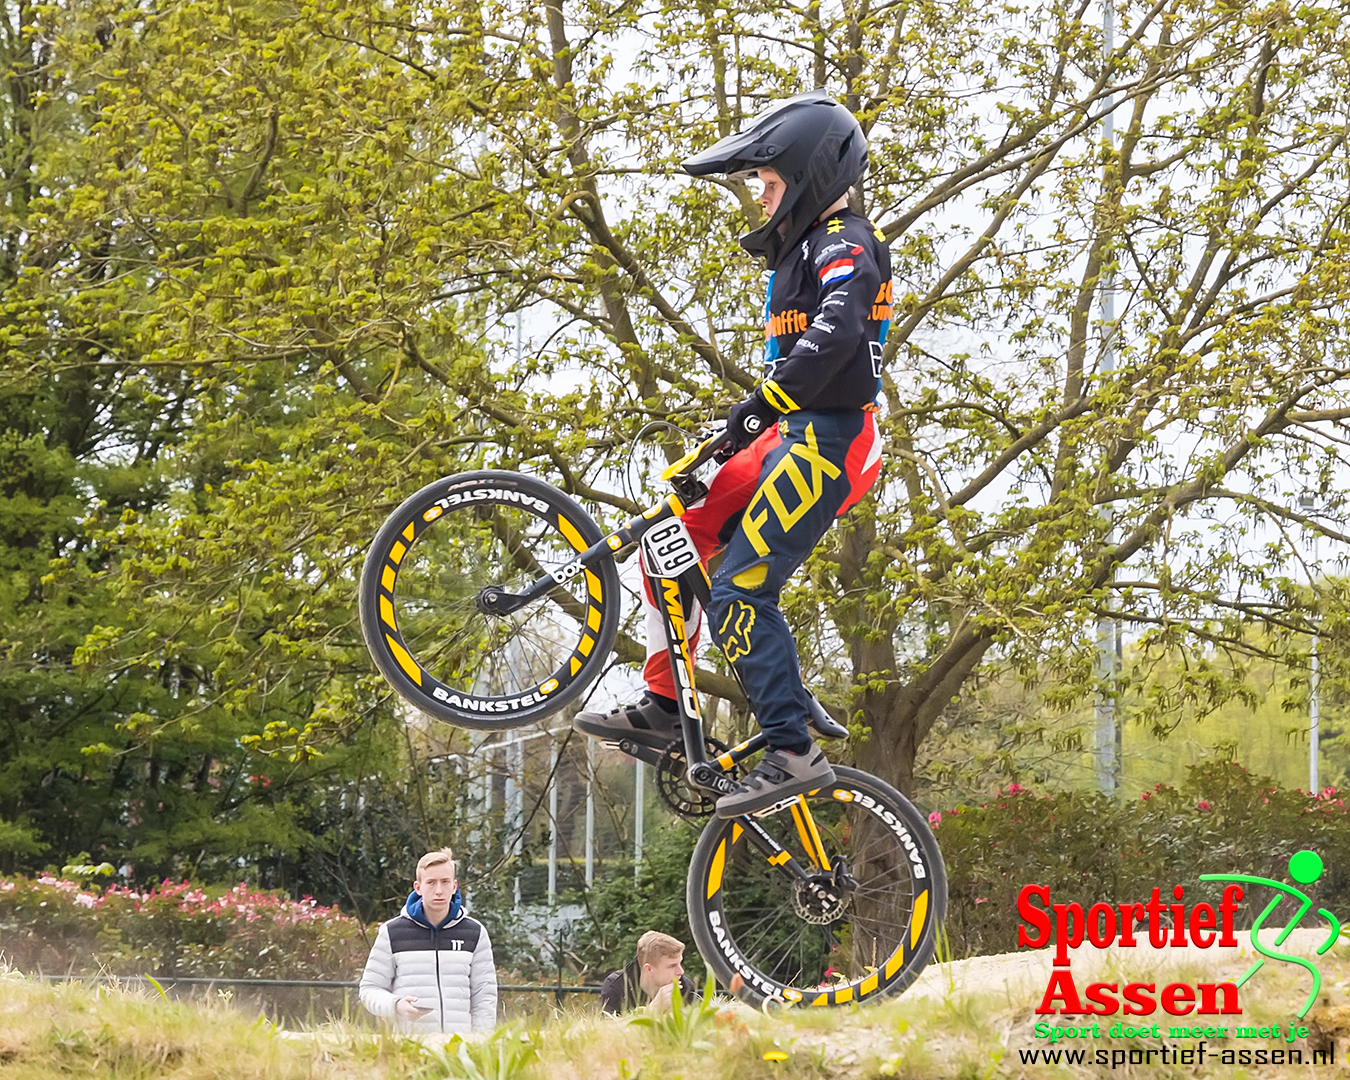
{"x": 491, "y": 600}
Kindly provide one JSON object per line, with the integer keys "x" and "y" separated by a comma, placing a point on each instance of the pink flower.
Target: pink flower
{"x": 1015, "y": 789}
{"x": 935, "y": 818}
{"x": 1202, "y": 805}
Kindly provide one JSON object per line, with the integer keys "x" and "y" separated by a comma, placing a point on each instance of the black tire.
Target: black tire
{"x": 425, "y": 569}
{"x": 753, "y": 934}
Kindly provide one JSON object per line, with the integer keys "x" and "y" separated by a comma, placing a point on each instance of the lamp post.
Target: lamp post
{"x": 554, "y": 762}
{"x": 1106, "y": 734}
{"x": 590, "y": 813}
{"x": 1307, "y": 502}
{"x": 639, "y": 799}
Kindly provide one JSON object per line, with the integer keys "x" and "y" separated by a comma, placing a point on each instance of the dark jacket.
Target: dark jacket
{"x": 826, "y": 317}
{"x": 622, "y": 989}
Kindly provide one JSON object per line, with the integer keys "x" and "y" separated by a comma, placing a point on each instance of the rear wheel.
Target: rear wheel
{"x": 424, "y": 620}
{"x": 860, "y": 927}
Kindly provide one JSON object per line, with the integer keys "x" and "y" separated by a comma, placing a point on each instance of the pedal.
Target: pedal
{"x": 782, "y": 804}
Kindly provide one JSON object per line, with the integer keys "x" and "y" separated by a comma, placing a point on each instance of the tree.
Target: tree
{"x": 1219, "y": 218}
{"x": 291, "y": 240}
{"x": 142, "y": 658}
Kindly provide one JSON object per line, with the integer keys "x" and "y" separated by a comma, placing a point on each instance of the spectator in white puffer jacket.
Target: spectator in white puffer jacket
{"x": 430, "y": 970}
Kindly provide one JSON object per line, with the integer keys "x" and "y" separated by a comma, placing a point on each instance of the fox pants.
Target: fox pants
{"x": 767, "y": 508}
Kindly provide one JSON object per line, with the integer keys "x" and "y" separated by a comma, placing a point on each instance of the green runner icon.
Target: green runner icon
{"x": 1305, "y": 867}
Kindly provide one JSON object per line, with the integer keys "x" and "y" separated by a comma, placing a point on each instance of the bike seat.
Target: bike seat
{"x": 823, "y": 723}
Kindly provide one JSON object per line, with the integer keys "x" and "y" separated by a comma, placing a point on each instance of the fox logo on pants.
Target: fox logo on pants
{"x": 734, "y": 635}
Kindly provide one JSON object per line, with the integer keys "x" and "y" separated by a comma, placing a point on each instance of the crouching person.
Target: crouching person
{"x": 650, "y": 977}
{"x": 430, "y": 970}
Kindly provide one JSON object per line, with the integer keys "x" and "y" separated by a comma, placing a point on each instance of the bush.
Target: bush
{"x": 1084, "y": 847}
{"x": 56, "y": 925}
{"x": 1088, "y": 848}
{"x": 619, "y": 911}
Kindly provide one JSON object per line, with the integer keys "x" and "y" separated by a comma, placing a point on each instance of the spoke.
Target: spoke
{"x": 743, "y": 934}
{"x": 789, "y": 977}
{"x": 436, "y": 600}
{"x": 438, "y": 588}
{"x": 541, "y": 657}
{"x": 431, "y": 658}
{"x": 526, "y": 561}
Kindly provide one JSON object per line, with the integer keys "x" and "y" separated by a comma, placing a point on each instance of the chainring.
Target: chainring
{"x": 675, "y": 790}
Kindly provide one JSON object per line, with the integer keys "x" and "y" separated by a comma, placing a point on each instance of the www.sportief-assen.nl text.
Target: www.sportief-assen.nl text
{"x": 1195, "y": 1054}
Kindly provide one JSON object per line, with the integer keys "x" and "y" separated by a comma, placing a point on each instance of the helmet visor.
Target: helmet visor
{"x": 737, "y": 156}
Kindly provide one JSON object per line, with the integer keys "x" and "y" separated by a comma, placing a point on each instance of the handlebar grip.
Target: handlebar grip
{"x": 696, "y": 457}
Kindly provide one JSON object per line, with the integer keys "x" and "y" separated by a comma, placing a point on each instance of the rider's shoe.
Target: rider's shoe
{"x": 780, "y": 775}
{"x": 648, "y": 722}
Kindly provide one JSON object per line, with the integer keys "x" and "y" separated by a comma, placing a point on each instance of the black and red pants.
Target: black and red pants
{"x": 766, "y": 509}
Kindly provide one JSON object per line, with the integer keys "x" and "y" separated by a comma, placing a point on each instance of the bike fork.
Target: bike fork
{"x": 670, "y": 595}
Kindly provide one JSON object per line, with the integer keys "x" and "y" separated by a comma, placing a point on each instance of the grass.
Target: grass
{"x": 75, "y": 1030}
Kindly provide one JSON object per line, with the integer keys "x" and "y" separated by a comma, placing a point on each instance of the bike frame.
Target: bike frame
{"x": 703, "y": 773}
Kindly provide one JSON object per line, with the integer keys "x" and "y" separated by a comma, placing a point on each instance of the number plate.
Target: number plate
{"x": 668, "y": 550}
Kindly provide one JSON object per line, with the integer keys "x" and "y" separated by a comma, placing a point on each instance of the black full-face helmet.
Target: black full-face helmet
{"x": 813, "y": 143}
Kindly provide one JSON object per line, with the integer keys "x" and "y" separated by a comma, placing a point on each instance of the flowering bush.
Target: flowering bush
{"x": 58, "y": 925}
{"x": 1087, "y": 848}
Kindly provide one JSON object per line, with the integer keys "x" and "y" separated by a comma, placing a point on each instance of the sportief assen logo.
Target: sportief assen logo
{"x": 1169, "y": 925}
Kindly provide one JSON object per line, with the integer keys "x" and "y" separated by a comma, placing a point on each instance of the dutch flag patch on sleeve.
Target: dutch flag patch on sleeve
{"x": 838, "y": 270}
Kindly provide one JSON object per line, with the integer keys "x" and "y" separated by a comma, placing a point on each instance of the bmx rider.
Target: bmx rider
{"x": 805, "y": 445}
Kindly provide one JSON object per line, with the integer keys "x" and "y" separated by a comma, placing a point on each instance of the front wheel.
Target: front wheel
{"x": 850, "y": 916}
{"x": 425, "y": 625}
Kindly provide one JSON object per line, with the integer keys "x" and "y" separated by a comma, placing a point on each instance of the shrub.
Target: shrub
{"x": 1086, "y": 847}
{"x": 619, "y": 910}
{"x": 57, "y": 925}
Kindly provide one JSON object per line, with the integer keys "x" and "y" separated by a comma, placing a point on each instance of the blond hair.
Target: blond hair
{"x": 654, "y": 945}
{"x": 435, "y": 858}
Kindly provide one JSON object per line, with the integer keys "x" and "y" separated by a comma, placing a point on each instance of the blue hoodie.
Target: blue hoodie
{"x": 413, "y": 909}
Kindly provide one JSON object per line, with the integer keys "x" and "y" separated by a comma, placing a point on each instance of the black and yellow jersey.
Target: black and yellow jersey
{"x": 826, "y": 316}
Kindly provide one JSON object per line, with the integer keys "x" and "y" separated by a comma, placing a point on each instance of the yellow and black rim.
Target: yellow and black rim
{"x": 423, "y": 580}
{"x": 771, "y": 939}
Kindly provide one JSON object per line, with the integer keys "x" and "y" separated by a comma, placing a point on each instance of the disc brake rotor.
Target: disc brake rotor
{"x": 819, "y": 902}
